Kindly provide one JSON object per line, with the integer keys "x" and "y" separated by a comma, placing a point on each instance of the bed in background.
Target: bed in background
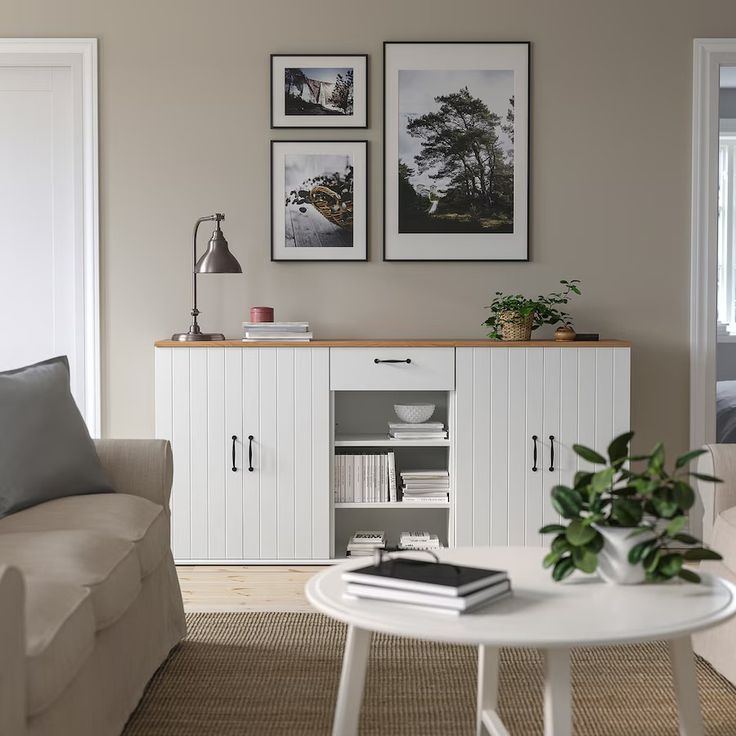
{"x": 726, "y": 411}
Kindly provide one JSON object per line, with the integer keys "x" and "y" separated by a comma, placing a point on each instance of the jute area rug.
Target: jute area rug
{"x": 277, "y": 673}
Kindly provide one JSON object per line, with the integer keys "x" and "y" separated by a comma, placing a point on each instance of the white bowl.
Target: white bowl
{"x": 414, "y": 413}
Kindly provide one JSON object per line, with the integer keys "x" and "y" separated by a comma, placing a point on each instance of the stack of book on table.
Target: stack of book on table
{"x": 276, "y": 331}
{"x": 418, "y": 541}
{"x": 432, "y": 585}
{"x": 363, "y": 544}
{"x": 425, "y": 486}
{"x": 365, "y": 477}
{"x": 423, "y": 431}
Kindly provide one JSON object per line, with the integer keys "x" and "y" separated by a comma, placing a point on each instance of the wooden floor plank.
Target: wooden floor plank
{"x": 245, "y": 587}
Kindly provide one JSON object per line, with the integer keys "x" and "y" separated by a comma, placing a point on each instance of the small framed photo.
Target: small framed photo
{"x": 319, "y": 200}
{"x": 456, "y": 151}
{"x": 314, "y": 91}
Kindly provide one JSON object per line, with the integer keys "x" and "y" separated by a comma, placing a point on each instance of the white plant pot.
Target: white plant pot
{"x": 613, "y": 560}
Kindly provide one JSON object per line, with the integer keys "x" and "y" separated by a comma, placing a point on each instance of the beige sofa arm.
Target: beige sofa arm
{"x": 12, "y": 652}
{"x": 719, "y": 461}
{"x": 139, "y": 467}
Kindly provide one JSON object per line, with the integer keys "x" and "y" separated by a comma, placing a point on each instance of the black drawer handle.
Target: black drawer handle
{"x": 250, "y": 452}
{"x": 235, "y": 437}
{"x": 392, "y": 360}
{"x": 534, "y": 466}
{"x": 551, "y": 453}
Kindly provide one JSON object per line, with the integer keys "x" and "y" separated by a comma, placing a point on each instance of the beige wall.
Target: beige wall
{"x": 184, "y": 119}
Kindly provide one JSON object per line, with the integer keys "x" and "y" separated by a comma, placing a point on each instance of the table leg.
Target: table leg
{"x": 557, "y": 693}
{"x": 487, "y": 684}
{"x": 686, "y": 686}
{"x": 352, "y": 681}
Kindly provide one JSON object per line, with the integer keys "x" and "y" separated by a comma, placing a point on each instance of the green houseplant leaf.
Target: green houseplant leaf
{"x": 618, "y": 450}
{"x": 579, "y": 533}
{"x": 683, "y": 460}
{"x": 568, "y": 502}
{"x": 590, "y": 455}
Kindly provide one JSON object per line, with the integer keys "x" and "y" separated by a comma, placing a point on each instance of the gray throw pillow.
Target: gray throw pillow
{"x": 45, "y": 449}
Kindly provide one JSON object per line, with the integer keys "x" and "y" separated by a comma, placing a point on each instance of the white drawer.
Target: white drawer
{"x": 392, "y": 369}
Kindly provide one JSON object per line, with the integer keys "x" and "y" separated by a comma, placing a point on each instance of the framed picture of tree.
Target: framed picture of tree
{"x": 319, "y": 200}
{"x": 456, "y": 151}
{"x": 318, "y": 91}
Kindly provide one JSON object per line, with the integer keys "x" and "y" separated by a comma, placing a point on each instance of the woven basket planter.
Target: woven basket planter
{"x": 513, "y": 327}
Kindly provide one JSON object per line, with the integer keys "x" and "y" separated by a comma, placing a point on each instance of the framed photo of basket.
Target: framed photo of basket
{"x": 319, "y": 91}
{"x": 456, "y": 151}
{"x": 319, "y": 200}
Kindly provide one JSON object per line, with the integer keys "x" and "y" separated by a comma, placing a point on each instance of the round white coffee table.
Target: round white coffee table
{"x": 553, "y": 617}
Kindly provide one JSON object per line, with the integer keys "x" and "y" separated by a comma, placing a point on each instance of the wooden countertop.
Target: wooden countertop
{"x": 395, "y": 344}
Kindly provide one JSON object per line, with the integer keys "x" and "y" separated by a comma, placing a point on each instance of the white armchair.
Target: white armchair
{"x": 718, "y": 645}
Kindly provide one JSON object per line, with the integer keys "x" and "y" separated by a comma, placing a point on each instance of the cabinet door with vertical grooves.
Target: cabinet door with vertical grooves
{"x": 535, "y": 467}
{"x": 198, "y": 453}
{"x": 232, "y": 529}
{"x": 265, "y": 451}
{"x": 181, "y": 516}
{"x": 551, "y": 419}
{"x": 219, "y": 460}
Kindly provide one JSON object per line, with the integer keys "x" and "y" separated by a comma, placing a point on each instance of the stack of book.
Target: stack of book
{"x": 363, "y": 544}
{"x": 365, "y": 478}
{"x": 425, "y": 486}
{"x": 276, "y": 331}
{"x": 435, "y": 586}
{"x": 423, "y": 431}
{"x": 418, "y": 541}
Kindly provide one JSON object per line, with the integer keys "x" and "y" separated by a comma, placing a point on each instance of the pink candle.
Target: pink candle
{"x": 261, "y": 314}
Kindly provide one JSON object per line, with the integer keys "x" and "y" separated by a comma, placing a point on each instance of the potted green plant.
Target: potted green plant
{"x": 626, "y": 519}
{"x": 514, "y": 316}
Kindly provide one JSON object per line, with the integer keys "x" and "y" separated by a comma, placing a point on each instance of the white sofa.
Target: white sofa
{"x": 90, "y": 604}
{"x": 718, "y": 645}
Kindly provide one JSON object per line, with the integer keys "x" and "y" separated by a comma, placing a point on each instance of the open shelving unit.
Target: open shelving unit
{"x": 360, "y": 422}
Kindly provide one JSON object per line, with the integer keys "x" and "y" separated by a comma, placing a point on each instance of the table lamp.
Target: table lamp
{"x": 217, "y": 259}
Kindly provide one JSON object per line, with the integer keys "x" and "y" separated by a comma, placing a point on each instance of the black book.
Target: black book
{"x": 440, "y": 578}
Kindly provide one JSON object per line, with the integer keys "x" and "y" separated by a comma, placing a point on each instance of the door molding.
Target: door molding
{"x": 709, "y": 54}
{"x": 81, "y": 55}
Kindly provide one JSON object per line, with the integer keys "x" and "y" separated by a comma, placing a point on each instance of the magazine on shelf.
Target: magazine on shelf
{"x": 279, "y": 326}
{"x": 414, "y": 535}
{"x": 363, "y": 477}
{"x": 422, "y": 426}
{"x": 368, "y": 538}
{"x": 281, "y": 336}
{"x": 392, "y": 490}
{"x": 424, "y": 500}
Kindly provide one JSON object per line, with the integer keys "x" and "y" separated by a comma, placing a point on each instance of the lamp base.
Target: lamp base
{"x": 197, "y": 336}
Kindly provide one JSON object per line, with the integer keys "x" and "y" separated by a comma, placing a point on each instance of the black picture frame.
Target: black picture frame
{"x": 305, "y": 124}
{"x": 526, "y": 169}
{"x": 365, "y": 249}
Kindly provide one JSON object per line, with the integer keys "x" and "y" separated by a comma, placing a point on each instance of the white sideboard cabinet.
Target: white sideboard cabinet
{"x": 255, "y": 427}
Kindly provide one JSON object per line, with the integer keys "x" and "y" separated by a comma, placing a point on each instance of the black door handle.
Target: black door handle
{"x": 250, "y": 452}
{"x": 534, "y": 466}
{"x": 392, "y": 360}
{"x": 235, "y": 437}
{"x": 551, "y": 453}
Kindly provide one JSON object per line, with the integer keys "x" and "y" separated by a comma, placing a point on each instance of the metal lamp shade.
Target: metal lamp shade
{"x": 217, "y": 257}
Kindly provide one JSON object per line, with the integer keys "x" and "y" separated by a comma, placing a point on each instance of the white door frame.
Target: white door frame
{"x": 78, "y": 54}
{"x": 709, "y": 55}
